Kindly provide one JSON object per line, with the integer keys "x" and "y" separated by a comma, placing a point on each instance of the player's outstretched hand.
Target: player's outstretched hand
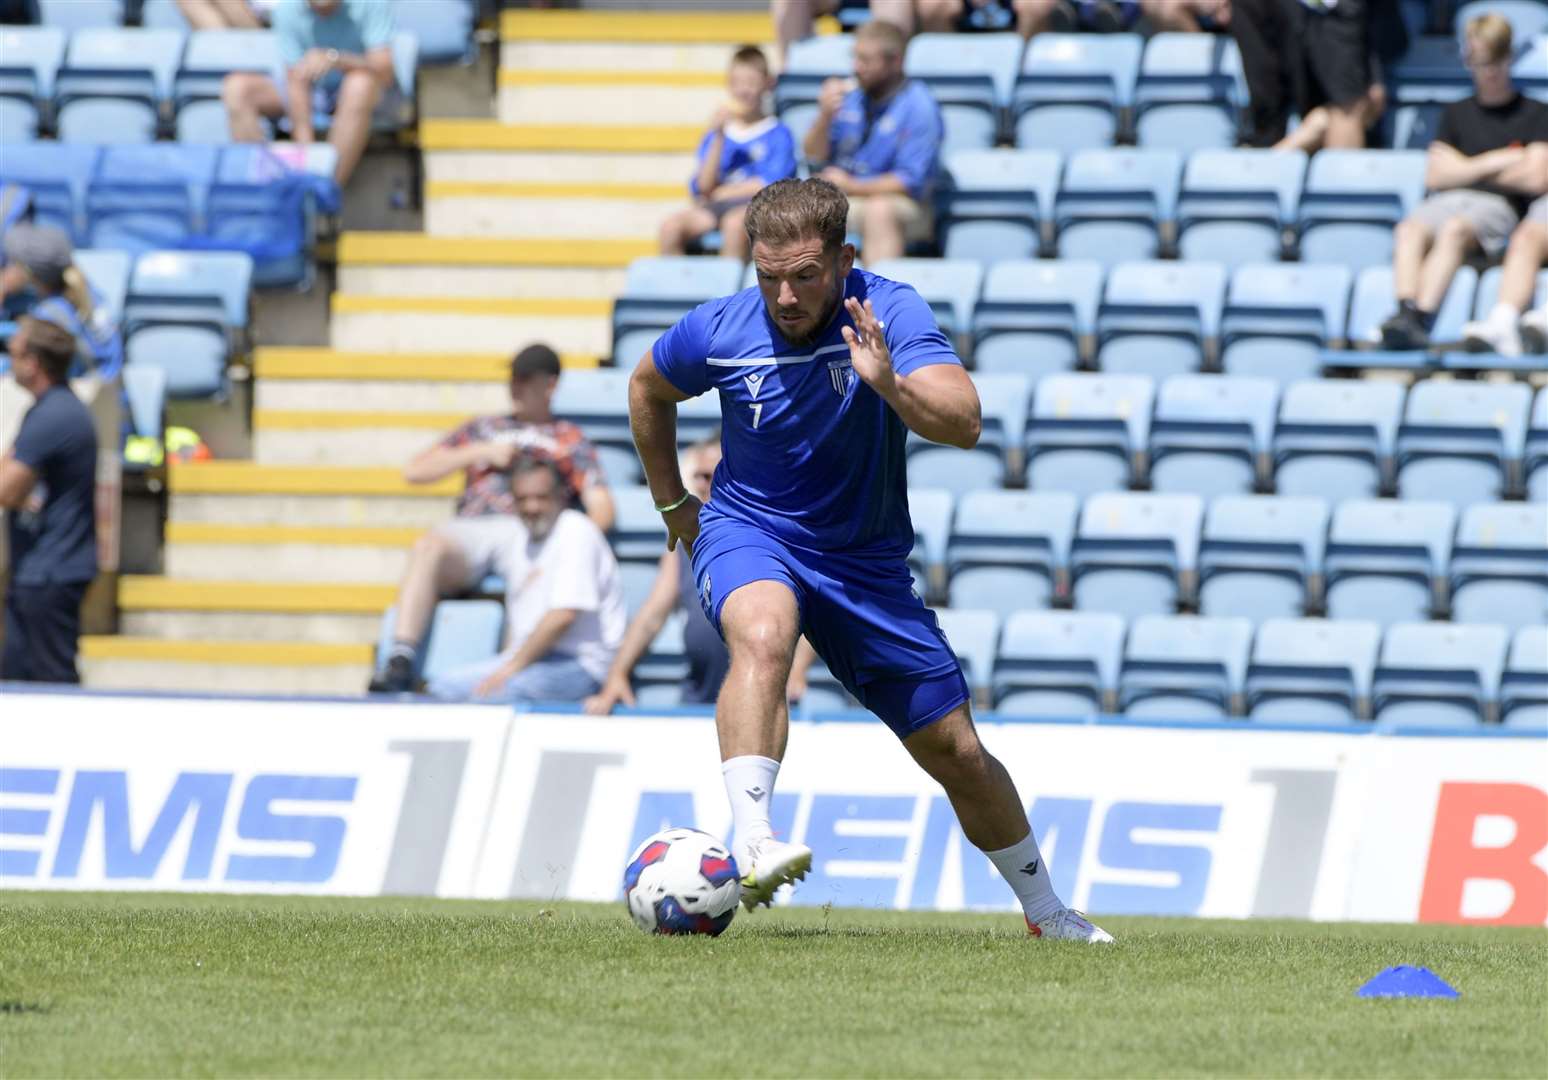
{"x": 868, "y": 350}
{"x": 683, "y": 523}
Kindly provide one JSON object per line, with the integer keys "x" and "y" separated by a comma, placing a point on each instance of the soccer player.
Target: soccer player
{"x": 822, "y": 370}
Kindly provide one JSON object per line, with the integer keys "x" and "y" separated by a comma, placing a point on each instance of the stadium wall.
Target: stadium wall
{"x": 104, "y": 791}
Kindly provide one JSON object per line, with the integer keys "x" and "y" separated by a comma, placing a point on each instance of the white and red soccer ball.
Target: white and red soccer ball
{"x": 682, "y": 881}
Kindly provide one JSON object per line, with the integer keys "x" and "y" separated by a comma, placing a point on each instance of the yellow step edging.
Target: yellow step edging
{"x": 481, "y": 189}
{"x": 247, "y": 478}
{"x": 208, "y": 532}
{"x": 138, "y": 593}
{"x": 308, "y": 362}
{"x": 697, "y": 27}
{"x": 598, "y": 138}
{"x": 565, "y": 77}
{"x": 579, "y": 307}
{"x": 418, "y": 249}
{"x": 306, "y": 420}
{"x": 245, "y": 653}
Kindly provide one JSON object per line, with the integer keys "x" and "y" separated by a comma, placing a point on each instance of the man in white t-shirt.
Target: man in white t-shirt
{"x": 564, "y": 605}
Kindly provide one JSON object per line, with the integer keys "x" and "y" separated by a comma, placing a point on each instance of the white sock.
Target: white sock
{"x": 1021, "y": 865}
{"x": 1503, "y": 315}
{"x": 750, "y": 787}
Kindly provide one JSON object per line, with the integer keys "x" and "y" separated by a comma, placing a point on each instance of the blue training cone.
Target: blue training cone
{"x": 1408, "y": 982}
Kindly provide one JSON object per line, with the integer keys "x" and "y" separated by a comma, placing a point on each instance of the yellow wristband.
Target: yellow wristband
{"x": 669, "y": 507}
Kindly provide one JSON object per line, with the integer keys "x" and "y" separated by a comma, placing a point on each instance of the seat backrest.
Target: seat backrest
{"x": 1116, "y": 56}
{"x": 1368, "y": 172}
{"x": 145, "y": 388}
{"x": 1092, "y": 396}
{"x": 1530, "y": 71}
{"x": 821, "y": 54}
{"x": 462, "y": 632}
{"x": 1176, "y": 56}
{"x": 1396, "y": 522}
{"x": 1473, "y": 404}
{"x": 217, "y": 51}
{"x": 72, "y": 15}
{"x": 1237, "y": 172}
{"x": 1504, "y": 525}
{"x": 1005, "y": 169}
{"x": 1066, "y": 635}
{"x": 1017, "y": 514}
{"x": 1529, "y": 650}
{"x": 1192, "y": 638}
{"x": 1539, "y": 421}
{"x": 41, "y": 48}
{"x": 1347, "y": 643}
{"x": 1125, "y": 169}
{"x": 224, "y": 274}
{"x": 1448, "y": 647}
{"x": 162, "y": 15}
{"x": 1271, "y": 518}
{"x": 1320, "y": 285}
{"x": 939, "y": 281}
{"x": 1489, "y": 281}
{"x": 158, "y": 163}
{"x": 1232, "y": 398}
{"x": 108, "y": 273}
{"x": 930, "y": 510}
{"x": 129, "y": 49}
{"x": 593, "y": 392}
{"x": 973, "y": 635}
{"x": 1200, "y": 285}
{"x": 677, "y": 277}
{"x": 1004, "y": 398}
{"x": 635, "y": 518}
{"x": 1074, "y": 281}
{"x": 1124, "y": 515}
{"x": 1374, "y": 300}
{"x": 1344, "y": 401}
{"x": 995, "y": 55}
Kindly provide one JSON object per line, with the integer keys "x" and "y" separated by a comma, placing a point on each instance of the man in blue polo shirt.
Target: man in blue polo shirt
{"x": 880, "y": 136}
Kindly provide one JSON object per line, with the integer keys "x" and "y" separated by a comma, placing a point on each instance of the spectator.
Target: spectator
{"x": 1333, "y": 73}
{"x": 454, "y": 557}
{"x": 338, "y": 60}
{"x": 564, "y": 605}
{"x": 39, "y": 277}
{"x": 1186, "y": 16}
{"x": 47, "y": 489}
{"x": 793, "y": 19}
{"x": 881, "y": 134}
{"x": 1488, "y": 160}
{"x": 1509, "y": 329}
{"x": 1028, "y": 17}
{"x": 1258, "y": 26}
{"x": 741, "y": 152}
{"x": 227, "y": 14}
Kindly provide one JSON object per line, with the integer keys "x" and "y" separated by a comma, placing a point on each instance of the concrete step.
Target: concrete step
{"x": 398, "y": 264}
{"x": 457, "y": 208}
{"x": 294, "y": 379}
{"x": 363, "y": 555}
{"x": 703, "y": 26}
{"x": 706, "y": 58}
{"x": 245, "y": 493}
{"x": 437, "y": 324}
{"x": 226, "y": 667}
{"x": 485, "y": 151}
{"x": 620, "y": 96}
{"x": 347, "y": 438}
{"x": 220, "y": 608}
{"x": 322, "y": 627}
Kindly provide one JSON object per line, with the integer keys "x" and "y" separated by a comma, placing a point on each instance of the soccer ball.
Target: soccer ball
{"x": 682, "y": 881}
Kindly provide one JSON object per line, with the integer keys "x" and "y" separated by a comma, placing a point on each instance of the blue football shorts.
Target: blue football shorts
{"x": 860, "y": 613}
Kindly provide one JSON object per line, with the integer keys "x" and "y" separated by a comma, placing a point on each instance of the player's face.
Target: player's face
{"x": 537, "y": 501}
{"x": 531, "y": 397}
{"x": 802, "y": 286}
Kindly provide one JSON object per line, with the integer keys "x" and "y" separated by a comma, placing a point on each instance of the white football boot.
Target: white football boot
{"x": 771, "y": 863}
{"x": 1068, "y": 924}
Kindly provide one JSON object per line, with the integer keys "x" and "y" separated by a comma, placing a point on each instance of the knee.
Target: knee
{"x": 764, "y": 643}
{"x": 1411, "y": 231}
{"x": 430, "y": 548}
{"x": 948, "y": 751}
{"x": 238, "y": 91}
{"x": 1457, "y": 232}
{"x": 360, "y": 90}
{"x": 880, "y": 213}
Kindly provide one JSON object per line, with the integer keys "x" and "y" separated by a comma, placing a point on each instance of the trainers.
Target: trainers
{"x": 770, "y": 864}
{"x": 396, "y": 678}
{"x": 1067, "y": 924}
{"x": 1533, "y": 328}
{"x": 1403, "y": 332}
{"x": 1492, "y": 335}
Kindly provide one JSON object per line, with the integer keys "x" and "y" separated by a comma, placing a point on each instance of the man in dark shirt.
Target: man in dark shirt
{"x": 47, "y": 482}
{"x": 1488, "y": 161}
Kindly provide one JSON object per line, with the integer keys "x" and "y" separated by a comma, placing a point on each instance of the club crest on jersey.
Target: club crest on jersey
{"x": 754, "y": 384}
{"x": 839, "y": 374}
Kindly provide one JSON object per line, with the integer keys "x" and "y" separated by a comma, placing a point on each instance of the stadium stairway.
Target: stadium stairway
{"x": 276, "y": 571}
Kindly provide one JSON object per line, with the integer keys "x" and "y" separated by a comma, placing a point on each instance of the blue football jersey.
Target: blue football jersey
{"x": 811, "y": 453}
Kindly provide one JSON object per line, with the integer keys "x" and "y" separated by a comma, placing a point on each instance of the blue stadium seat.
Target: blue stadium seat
{"x": 162, "y": 15}
{"x": 1209, "y": 433}
{"x": 1420, "y": 82}
{"x": 1461, "y": 441}
{"x": 1131, "y": 552}
{"x": 1438, "y": 674}
{"x": 107, "y": 271}
{"x": 809, "y": 62}
{"x": 73, "y": 15}
{"x": 30, "y": 58}
{"x": 1534, "y": 458}
{"x": 1157, "y": 318}
{"x": 1085, "y": 430}
{"x": 461, "y": 632}
{"x": 1374, "y": 302}
{"x": 1236, "y": 204}
{"x": 597, "y": 400}
{"x": 143, "y": 198}
{"x": 1113, "y": 202}
{"x": 1190, "y": 92}
{"x": 970, "y": 76}
{"x": 1530, "y": 71}
{"x": 930, "y": 510}
{"x": 1527, "y": 18}
{"x": 1351, "y": 201}
{"x": 145, "y": 389}
{"x": 993, "y": 203}
{"x": 113, "y": 82}
{"x": 215, "y": 284}
{"x": 211, "y": 55}
{"x": 638, "y": 531}
{"x": 949, "y": 286}
{"x": 636, "y": 577}
{"x": 1004, "y": 398}
{"x": 1489, "y": 290}
{"x": 1312, "y": 671}
{"x": 1524, "y": 684}
{"x": 658, "y": 677}
{"x": 1183, "y": 667}
{"x": 268, "y": 205}
{"x": 444, "y": 31}
{"x": 1260, "y": 554}
{"x": 1385, "y": 558}
{"x": 1335, "y": 437}
{"x": 182, "y": 313}
{"x": 1008, "y": 549}
{"x": 1073, "y": 89}
{"x": 55, "y": 175}
{"x": 973, "y": 636}
{"x": 1033, "y": 315}
{"x": 1057, "y": 663}
{"x": 619, "y": 465}
{"x": 1499, "y": 566}
{"x": 1279, "y": 316}
{"x": 660, "y": 290}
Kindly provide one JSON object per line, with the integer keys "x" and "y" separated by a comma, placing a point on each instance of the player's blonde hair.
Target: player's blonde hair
{"x": 789, "y": 211}
{"x": 1491, "y": 31}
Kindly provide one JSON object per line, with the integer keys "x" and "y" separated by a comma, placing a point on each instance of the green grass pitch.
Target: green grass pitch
{"x": 159, "y": 985}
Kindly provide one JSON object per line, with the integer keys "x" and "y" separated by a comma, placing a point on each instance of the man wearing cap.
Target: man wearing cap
{"x": 47, "y": 485}
{"x": 39, "y": 277}
{"x": 453, "y": 558}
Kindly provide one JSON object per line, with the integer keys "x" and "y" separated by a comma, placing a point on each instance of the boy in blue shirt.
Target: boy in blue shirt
{"x": 741, "y": 152}
{"x": 822, "y": 370}
{"x": 880, "y": 135}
